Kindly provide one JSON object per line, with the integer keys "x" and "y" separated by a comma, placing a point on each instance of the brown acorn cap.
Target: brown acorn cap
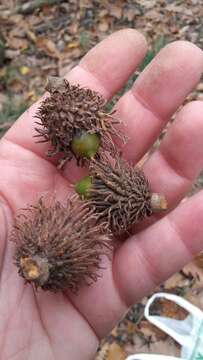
{"x": 121, "y": 195}
{"x": 70, "y": 111}
{"x": 59, "y": 247}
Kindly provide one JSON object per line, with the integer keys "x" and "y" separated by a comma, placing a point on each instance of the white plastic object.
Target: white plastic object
{"x": 188, "y": 332}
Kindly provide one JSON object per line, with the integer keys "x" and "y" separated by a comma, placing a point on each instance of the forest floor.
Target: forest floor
{"x": 48, "y": 37}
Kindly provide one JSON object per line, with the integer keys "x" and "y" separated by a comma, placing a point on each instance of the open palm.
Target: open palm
{"x": 43, "y": 325}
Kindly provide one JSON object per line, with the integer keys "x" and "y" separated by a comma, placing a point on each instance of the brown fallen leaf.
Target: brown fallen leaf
{"x": 111, "y": 352}
{"x": 17, "y": 43}
{"x": 48, "y": 47}
{"x": 73, "y": 28}
{"x": 73, "y": 44}
{"x": 116, "y": 352}
{"x": 103, "y": 352}
{"x": 179, "y": 9}
{"x": 12, "y": 54}
{"x": 31, "y": 36}
{"x": 199, "y": 260}
{"x": 16, "y": 85}
{"x": 103, "y": 13}
{"x": 103, "y": 26}
{"x": 149, "y": 330}
{"x": 167, "y": 308}
{"x": 16, "y": 19}
{"x": 30, "y": 96}
{"x": 130, "y": 13}
{"x": 115, "y": 11}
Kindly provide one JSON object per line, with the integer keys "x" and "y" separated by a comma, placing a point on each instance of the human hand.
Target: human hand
{"x": 50, "y": 326}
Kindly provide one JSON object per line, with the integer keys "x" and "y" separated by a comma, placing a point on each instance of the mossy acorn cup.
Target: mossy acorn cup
{"x": 60, "y": 247}
{"x": 73, "y": 120}
{"x": 120, "y": 194}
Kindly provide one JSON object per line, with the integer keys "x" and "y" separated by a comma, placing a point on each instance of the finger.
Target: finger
{"x": 104, "y": 69}
{"x": 172, "y": 169}
{"x": 162, "y": 249}
{"x": 157, "y": 93}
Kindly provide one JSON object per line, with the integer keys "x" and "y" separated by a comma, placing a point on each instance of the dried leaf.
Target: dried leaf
{"x": 103, "y": 26}
{"x": 31, "y": 36}
{"x": 33, "y": 20}
{"x": 179, "y": 9}
{"x": 103, "y": 352}
{"x": 115, "y": 352}
{"x": 103, "y": 13}
{"x": 16, "y": 85}
{"x": 30, "y": 96}
{"x": 48, "y": 47}
{"x": 17, "y": 43}
{"x": 111, "y": 352}
{"x": 12, "y": 54}
{"x": 115, "y": 11}
{"x": 24, "y": 70}
{"x": 130, "y": 13}
{"x": 168, "y": 309}
{"x": 73, "y": 44}
{"x": 149, "y": 330}
{"x": 73, "y": 28}
{"x": 16, "y": 19}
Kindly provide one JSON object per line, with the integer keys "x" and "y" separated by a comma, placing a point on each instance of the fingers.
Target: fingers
{"x": 149, "y": 258}
{"x": 111, "y": 62}
{"x": 175, "y": 165}
{"x": 156, "y": 94}
{"x": 104, "y": 69}
{"x": 146, "y": 108}
{"x": 167, "y": 81}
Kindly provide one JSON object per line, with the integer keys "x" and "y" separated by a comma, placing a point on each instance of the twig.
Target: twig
{"x": 30, "y": 6}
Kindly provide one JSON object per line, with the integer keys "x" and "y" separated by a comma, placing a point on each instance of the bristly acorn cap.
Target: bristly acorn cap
{"x": 59, "y": 247}
{"x": 120, "y": 194}
{"x": 72, "y": 118}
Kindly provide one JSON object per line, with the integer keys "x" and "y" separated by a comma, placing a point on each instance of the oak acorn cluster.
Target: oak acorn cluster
{"x": 60, "y": 246}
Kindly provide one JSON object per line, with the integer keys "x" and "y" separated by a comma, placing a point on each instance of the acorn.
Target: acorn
{"x": 120, "y": 194}
{"x": 85, "y": 145}
{"x": 59, "y": 247}
{"x": 83, "y": 186}
{"x": 73, "y": 120}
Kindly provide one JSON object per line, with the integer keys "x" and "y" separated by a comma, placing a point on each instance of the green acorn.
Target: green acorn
{"x": 120, "y": 194}
{"x": 83, "y": 187}
{"x": 73, "y": 120}
{"x": 85, "y": 145}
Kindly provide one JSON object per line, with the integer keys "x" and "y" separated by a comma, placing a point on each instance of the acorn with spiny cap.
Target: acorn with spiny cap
{"x": 119, "y": 193}
{"x": 60, "y": 247}
{"x": 73, "y": 120}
